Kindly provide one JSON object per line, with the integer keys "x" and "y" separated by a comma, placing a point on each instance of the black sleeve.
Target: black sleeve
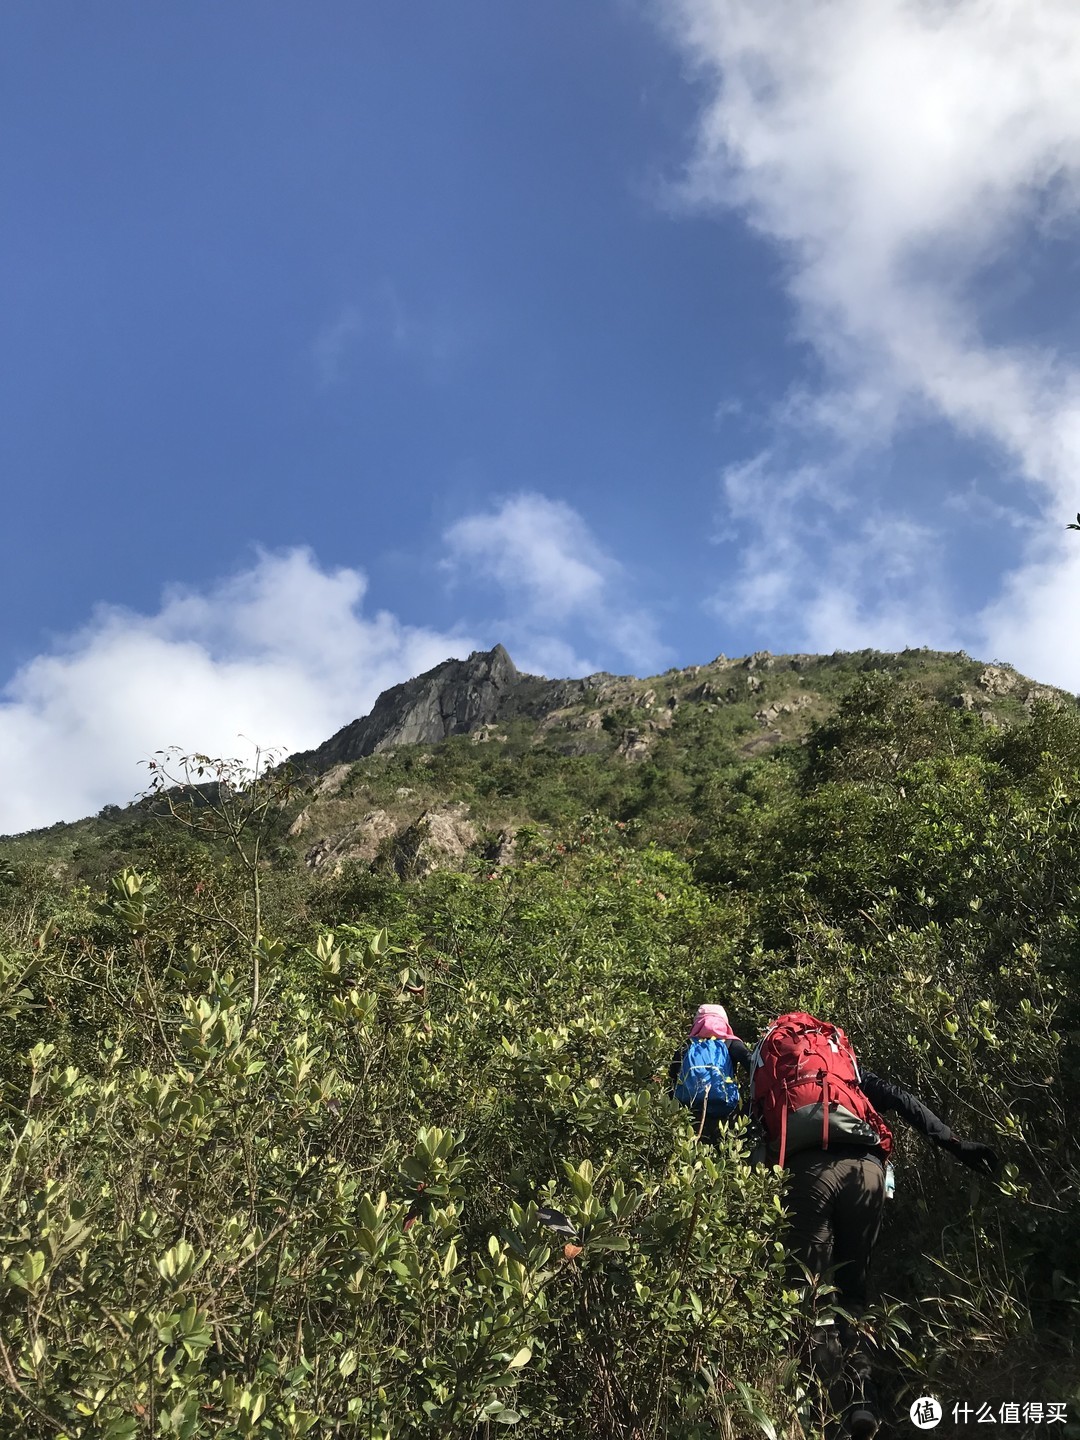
{"x": 674, "y": 1069}
{"x": 884, "y": 1095}
{"x": 738, "y": 1052}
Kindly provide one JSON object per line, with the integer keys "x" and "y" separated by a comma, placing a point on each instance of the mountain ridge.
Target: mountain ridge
{"x": 755, "y": 703}
{"x": 461, "y": 697}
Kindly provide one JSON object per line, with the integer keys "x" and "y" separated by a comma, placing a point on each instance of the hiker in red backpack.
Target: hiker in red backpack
{"x": 821, "y": 1120}
{"x": 701, "y": 1075}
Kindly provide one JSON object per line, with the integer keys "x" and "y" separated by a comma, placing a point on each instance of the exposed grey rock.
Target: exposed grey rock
{"x": 1041, "y": 692}
{"x": 998, "y": 679}
{"x": 439, "y": 840}
{"x": 760, "y": 743}
{"x": 504, "y": 849}
{"x": 452, "y": 699}
{"x": 964, "y": 701}
{"x": 332, "y": 781}
{"x": 569, "y": 720}
{"x": 634, "y": 745}
{"x": 769, "y": 713}
{"x": 300, "y": 824}
{"x": 360, "y": 841}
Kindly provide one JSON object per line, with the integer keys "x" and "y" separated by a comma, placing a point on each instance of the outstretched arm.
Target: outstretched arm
{"x": 738, "y": 1051}
{"x": 674, "y": 1069}
{"x": 884, "y": 1095}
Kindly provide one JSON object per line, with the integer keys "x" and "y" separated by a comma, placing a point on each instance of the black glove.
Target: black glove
{"x": 978, "y": 1156}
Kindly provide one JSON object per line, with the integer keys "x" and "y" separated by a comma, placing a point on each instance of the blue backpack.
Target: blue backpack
{"x": 707, "y": 1079}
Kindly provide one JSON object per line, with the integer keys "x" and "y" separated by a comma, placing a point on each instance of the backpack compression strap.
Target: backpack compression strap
{"x": 824, "y": 1110}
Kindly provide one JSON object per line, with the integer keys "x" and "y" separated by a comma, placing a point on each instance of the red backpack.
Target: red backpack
{"x": 806, "y": 1091}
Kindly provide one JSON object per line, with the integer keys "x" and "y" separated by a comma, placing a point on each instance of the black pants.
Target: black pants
{"x": 835, "y": 1201}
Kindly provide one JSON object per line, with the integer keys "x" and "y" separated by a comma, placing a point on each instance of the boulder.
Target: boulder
{"x": 1041, "y": 692}
{"x": 503, "y": 850}
{"x": 634, "y": 745}
{"x": 998, "y": 680}
{"x": 332, "y": 781}
{"x": 760, "y": 743}
{"x": 360, "y": 841}
{"x": 439, "y": 840}
{"x": 487, "y": 733}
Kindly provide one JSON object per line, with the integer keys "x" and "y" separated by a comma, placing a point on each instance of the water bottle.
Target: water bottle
{"x": 890, "y": 1181}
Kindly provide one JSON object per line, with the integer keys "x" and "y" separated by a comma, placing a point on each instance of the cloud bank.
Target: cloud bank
{"x": 904, "y": 156}
{"x": 281, "y": 653}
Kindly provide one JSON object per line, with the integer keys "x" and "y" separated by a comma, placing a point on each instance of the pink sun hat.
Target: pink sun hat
{"x": 711, "y": 1023}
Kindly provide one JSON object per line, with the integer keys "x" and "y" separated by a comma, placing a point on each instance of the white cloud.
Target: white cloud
{"x": 281, "y": 653}
{"x": 434, "y": 342}
{"x": 538, "y": 549}
{"x": 553, "y": 574}
{"x": 1033, "y": 621}
{"x": 334, "y": 341}
{"x": 895, "y": 151}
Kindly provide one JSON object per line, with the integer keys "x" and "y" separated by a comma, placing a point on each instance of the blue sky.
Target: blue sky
{"x": 342, "y": 338}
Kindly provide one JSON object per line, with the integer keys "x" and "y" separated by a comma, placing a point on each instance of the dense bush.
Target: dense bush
{"x": 275, "y": 1145}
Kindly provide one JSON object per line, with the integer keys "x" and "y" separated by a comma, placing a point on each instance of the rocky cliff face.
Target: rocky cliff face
{"x": 454, "y": 698}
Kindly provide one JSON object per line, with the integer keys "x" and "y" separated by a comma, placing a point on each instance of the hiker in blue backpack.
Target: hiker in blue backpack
{"x": 701, "y": 1075}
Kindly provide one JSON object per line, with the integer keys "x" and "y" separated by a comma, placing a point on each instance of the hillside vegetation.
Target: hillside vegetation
{"x": 283, "y": 1087}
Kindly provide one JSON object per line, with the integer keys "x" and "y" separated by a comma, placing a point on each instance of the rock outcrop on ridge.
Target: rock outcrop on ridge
{"x": 454, "y": 698}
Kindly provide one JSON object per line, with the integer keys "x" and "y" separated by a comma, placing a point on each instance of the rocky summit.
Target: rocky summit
{"x": 452, "y": 699}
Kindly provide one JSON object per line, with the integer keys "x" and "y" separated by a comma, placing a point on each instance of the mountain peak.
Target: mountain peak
{"x": 453, "y": 698}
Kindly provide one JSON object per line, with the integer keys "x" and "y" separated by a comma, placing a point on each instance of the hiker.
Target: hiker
{"x": 821, "y": 1120}
{"x": 701, "y": 1075}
